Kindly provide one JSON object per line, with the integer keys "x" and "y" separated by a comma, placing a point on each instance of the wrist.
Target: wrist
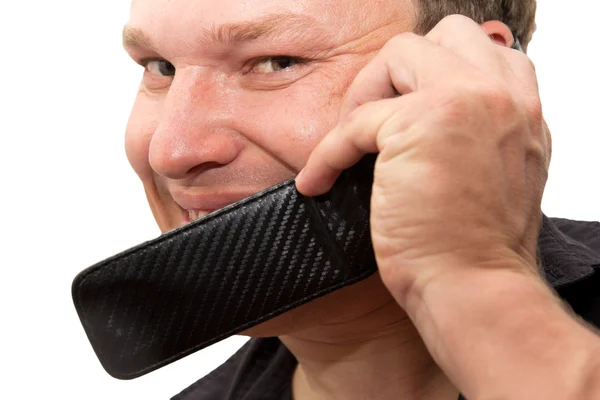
{"x": 498, "y": 332}
{"x": 477, "y": 289}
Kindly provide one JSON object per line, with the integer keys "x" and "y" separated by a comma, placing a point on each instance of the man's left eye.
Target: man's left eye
{"x": 160, "y": 67}
{"x": 275, "y": 64}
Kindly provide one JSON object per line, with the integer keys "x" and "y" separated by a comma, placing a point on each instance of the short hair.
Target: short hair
{"x": 518, "y": 15}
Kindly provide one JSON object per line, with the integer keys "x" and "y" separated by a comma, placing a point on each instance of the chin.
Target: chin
{"x": 295, "y": 320}
{"x": 338, "y": 307}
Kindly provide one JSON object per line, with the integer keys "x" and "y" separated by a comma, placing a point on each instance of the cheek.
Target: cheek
{"x": 314, "y": 113}
{"x": 289, "y": 123}
{"x": 140, "y": 128}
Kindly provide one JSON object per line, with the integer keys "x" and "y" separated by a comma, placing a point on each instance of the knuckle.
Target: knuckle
{"x": 460, "y": 107}
{"x": 497, "y": 97}
{"x": 522, "y": 58}
{"x": 452, "y": 106}
{"x": 453, "y": 20}
{"x": 400, "y": 40}
{"x": 528, "y": 61}
{"x": 351, "y": 119}
{"x": 533, "y": 108}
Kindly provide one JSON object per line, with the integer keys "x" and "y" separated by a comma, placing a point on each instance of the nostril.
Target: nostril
{"x": 198, "y": 169}
{"x": 176, "y": 155}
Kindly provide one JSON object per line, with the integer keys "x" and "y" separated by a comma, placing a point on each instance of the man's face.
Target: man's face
{"x": 235, "y": 96}
{"x": 236, "y": 93}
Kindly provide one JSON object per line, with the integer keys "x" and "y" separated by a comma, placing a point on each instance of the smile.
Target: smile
{"x": 197, "y": 205}
{"x": 193, "y": 215}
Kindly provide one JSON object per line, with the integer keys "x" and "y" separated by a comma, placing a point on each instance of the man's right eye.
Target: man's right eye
{"x": 160, "y": 67}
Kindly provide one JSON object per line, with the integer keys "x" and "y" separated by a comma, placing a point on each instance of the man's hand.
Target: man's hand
{"x": 455, "y": 211}
{"x": 463, "y": 155}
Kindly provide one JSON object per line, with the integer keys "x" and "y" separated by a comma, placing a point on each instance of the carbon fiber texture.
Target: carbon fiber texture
{"x": 235, "y": 268}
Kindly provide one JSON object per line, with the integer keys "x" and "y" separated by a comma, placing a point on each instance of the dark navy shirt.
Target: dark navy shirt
{"x": 263, "y": 368}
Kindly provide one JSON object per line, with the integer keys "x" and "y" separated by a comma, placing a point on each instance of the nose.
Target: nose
{"x": 194, "y": 131}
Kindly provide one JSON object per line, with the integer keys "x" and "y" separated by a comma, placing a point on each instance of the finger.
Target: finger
{"x": 523, "y": 70}
{"x": 529, "y": 99}
{"x": 470, "y": 41}
{"x": 365, "y": 131}
{"x": 327, "y": 160}
{"x": 407, "y": 63}
{"x": 467, "y": 39}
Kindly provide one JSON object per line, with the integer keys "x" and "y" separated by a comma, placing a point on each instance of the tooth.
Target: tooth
{"x": 194, "y": 215}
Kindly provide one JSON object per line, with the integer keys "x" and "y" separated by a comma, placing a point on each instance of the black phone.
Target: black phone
{"x": 228, "y": 271}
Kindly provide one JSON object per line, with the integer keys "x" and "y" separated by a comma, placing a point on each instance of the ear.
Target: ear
{"x": 499, "y": 33}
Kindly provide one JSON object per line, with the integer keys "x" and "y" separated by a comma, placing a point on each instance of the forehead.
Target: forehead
{"x": 180, "y": 19}
{"x": 224, "y": 11}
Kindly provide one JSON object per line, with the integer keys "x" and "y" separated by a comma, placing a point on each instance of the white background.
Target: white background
{"x": 69, "y": 199}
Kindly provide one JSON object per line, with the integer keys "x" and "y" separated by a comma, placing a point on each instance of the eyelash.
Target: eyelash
{"x": 145, "y": 61}
{"x": 253, "y": 64}
{"x": 298, "y": 62}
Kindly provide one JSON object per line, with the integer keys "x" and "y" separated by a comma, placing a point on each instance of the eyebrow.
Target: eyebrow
{"x": 288, "y": 26}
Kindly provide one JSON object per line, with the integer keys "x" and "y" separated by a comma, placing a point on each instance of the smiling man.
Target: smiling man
{"x": 240, "y": 95}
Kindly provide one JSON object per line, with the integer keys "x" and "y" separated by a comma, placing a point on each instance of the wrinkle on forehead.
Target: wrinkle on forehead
{"x": 347, "y": 17}
{"x": 265, "y": 27}
{"x": 189, "y": 29}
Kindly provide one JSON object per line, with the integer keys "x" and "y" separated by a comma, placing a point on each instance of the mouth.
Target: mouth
{"x": 193, "y": 215}
{"x": 196, "y": 206}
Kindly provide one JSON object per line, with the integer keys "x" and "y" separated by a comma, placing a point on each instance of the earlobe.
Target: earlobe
{"x": 499, "y": 33}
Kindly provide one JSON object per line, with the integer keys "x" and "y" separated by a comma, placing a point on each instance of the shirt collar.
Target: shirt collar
{"x": 564, "y": 260}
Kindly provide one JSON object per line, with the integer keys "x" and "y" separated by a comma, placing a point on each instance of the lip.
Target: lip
{"x": 206, "y": 203}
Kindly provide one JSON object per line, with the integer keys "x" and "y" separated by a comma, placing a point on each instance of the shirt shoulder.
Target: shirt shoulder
{"x": 586, "y": 232}
{"x": 570, "y": 252}
{"x": 261, "y": 370}
{"x": 215, "y": 385}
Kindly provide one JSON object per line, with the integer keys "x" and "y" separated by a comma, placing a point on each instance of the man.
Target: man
{"x": 238, "y": 96}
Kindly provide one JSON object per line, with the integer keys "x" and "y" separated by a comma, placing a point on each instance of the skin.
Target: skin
{"x": 228, "y": 125}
